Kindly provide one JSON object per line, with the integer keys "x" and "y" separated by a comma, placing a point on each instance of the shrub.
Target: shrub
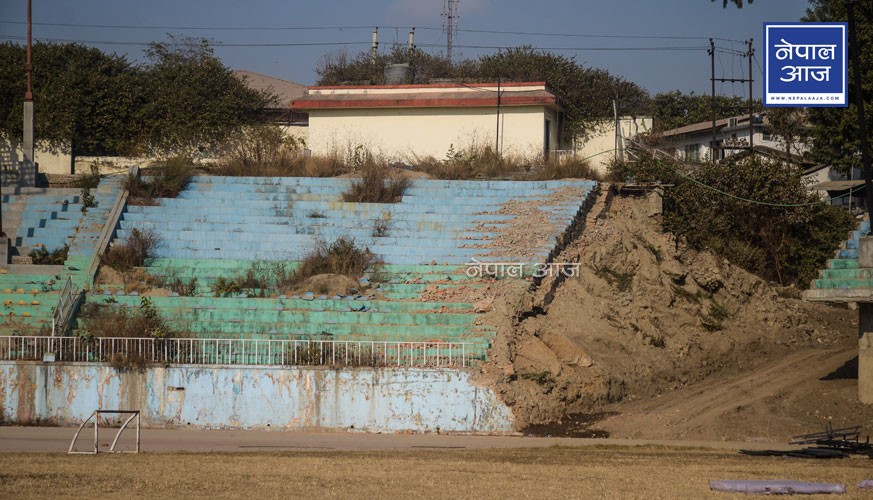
{"x": 43, "y": 257}
{"x": 88, "y": 181}
{"x": 786, "y": 238}
{"x": 339, "y": 257}
{"x": 87, "y": 199}
{"x": 162, "y": 181}
{"x": 133, "y": 253}
{"x": 130, "y": 322}
{"x": 261, "y": 277}
{"x": 565, "y": 168}
{"x": 376, "y": 185}
{"x": 183, "y": 288}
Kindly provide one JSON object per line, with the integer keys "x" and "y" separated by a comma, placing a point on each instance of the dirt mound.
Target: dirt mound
{"x": 326, "y": 284}
{"x": 646, "y": 315}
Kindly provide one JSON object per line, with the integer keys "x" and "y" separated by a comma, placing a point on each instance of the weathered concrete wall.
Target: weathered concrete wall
{"x": 383, "y": 400}
{"x": 865, "y": 352}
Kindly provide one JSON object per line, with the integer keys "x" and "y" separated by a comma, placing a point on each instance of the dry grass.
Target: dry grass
{"x": 140, "y": 322}
{"x": 376, "y": 185}
{"x": 132, "y": 253}
{"x": 283, "y": 166}
{"x": 339, "y": 257}
{"x": 584, "y": 472}
{"x": 265, "y": 151}
{"x": 164, "y": 181}
{"x": 564, "y": 168}
{"x": 482, "y": 162}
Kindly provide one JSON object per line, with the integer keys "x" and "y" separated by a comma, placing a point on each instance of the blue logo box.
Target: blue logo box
{"x": 805, "y": 64}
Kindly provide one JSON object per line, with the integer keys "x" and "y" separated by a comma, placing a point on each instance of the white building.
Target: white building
{"x": 693, "y": 143}
{"x": 417, "y": 121}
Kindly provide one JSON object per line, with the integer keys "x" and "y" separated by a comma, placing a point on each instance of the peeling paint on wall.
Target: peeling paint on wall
{"x": 366, "y": 399}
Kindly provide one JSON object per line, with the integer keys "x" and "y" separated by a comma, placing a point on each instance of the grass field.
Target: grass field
{"x": 579, "y": 472}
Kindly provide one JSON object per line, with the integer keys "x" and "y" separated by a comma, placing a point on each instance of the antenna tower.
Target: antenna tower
{"x": 450, "y": 23}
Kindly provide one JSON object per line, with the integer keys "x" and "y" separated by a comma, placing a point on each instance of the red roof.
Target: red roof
{"x": 462, "y": 96}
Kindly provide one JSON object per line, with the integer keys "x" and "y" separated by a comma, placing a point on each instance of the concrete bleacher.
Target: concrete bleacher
{"x": 50, "y": 219}
{"x": 844, "y": 272}
{"x": 218, "y": 227}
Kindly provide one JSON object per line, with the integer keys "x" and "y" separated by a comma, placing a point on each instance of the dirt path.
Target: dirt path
{"x": 797, "y": 393}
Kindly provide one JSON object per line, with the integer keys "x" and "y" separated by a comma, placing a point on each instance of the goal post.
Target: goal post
{"x": 133, "y": 416}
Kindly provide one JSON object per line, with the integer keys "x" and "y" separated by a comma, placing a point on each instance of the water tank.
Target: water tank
{"x": 396, "y": 74}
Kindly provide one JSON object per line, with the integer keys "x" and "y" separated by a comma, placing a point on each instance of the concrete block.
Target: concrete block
{"x": 4, "y": 250}
{"x": 865, "y": 251}
{"x": 865, "y": 352}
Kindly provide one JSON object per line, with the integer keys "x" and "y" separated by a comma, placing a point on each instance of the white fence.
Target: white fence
{"x": 128, "y": 352}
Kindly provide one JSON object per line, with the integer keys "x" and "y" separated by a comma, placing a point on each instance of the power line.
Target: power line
{"x": 674, "y": 48}
{"x": 214, "y": 43}
{"x": 321, "y": 28}
{"x": 210, "y": 28}
{"x": 313, "y": 44}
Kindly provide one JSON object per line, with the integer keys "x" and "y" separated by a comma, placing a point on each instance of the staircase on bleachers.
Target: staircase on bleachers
{"x": 48, "y": 218}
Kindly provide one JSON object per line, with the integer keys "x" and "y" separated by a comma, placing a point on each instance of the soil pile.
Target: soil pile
{"x": 646, "y": 315}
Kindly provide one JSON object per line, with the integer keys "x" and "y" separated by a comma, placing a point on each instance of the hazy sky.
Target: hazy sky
{"x": 677, "y": 59}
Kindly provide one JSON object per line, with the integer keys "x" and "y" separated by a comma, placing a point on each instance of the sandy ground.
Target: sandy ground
{"x": 553, "y": 472}
{"x": 57, "y": 439}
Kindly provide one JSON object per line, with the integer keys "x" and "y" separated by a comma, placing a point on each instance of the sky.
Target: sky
{"x": 663, "y": 42}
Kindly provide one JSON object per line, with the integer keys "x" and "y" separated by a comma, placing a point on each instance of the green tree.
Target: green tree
{"x": 90, "y": 102}
{"x": 193, "y": 102}
{"x": 84, "y": 99}
{"x": 339, "y": 68}
{"x": 791, "y": 128}
{"x": 738, "y": 3}
{"x": 677, "y": 109}
{"x": 586, "y": 93}
{"x": 786, "y": 237}
{"x": 835, "y": 137}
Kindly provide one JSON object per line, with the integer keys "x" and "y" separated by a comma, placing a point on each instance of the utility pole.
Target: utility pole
{"x": 375, "y": 44}
{"x": 411, "y": 39}
{"x": 714, "y": 145}
{"x": 497, "y": 130}
{"x": 450, "y": 23}
{"x": 855, "y": 52}
{"x": 749, "y": 53}
{"x": 28, "y": 94}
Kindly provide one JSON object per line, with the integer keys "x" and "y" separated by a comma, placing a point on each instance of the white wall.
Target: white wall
{"x": 49, "y": 161}
{"x": 408, "y": 132}
{"x": 599, "y": 147}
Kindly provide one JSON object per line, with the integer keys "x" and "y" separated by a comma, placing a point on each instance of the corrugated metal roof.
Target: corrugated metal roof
{"x": 836, "y": 185}
{"x": 285, "y": 90}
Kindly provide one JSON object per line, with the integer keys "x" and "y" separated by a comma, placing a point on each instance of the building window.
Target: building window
{"x": 692, "y": 152}
{"x": 766, "y": 135}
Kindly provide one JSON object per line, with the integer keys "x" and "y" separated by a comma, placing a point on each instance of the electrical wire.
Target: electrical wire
{"x": 319, "y": 44}
{"x": 741, "y": 198}
{"x": 318, "y": 28}
{"x": 215, "y": 43}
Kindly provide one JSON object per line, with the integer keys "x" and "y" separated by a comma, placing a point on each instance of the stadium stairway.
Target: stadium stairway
{"x": 49, "y": 219}
{"x": 843, "y": 272}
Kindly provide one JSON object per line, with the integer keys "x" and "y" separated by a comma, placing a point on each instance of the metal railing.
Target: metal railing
{"x": 109, "y": 228}
{"x": 128, "y": 352}
{"x": 63, "y": 312}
